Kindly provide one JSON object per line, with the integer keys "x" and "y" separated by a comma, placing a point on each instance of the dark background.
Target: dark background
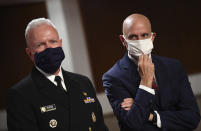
{"x": 177, "y": 24}
{"x": 15, "y": 64}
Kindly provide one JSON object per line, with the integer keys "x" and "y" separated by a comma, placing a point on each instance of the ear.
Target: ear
{"x": 123, "y": 40}
{"x": 29, "y": 54}
{"x": 153, "y": 36}
{"x": 60, "y": 42}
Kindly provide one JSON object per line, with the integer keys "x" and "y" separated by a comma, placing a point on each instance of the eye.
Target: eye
{"x": 53, "y": 41}
{"x": 132, "y": 37}
{"x": 145, "y": 35}
{"x": 40, "y": 44}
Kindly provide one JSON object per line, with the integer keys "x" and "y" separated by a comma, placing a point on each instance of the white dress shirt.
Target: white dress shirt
{"x": 51, "y": 77}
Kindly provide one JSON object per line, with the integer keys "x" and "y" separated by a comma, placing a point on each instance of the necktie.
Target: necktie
{"x": 58, "y": 80}
{"x": 154, "y": 86}
{"x": 157, "y": 95}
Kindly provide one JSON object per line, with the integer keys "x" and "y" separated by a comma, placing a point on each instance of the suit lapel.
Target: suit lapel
{"x": 162, "y": 79}
{"x": 49, "y": 90}
{"x": 131, "y": 73}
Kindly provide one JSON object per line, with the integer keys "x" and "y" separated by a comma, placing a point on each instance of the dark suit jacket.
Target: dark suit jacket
{"x": 174, "y": 101}
{"x": 68, "y": 109}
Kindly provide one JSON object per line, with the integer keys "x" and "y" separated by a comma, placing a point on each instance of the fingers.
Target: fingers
{"x": 140, "y": 60}
{"x": 143, "y": 59}
{"x": 146, "y": 70}
{"x": 126, "y": 106}
{"x": 140, "y": 63}
{"x": 146, "y": 58}
{"x": 128, "y": 99}
{"x": 127, "y": 103}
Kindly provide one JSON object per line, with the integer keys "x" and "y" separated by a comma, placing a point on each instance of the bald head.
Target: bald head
{"x": 136, "y": 24}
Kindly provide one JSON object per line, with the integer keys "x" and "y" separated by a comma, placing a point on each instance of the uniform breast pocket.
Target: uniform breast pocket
{"x": 53, "y": 117}
{"x": 92, "y": 108}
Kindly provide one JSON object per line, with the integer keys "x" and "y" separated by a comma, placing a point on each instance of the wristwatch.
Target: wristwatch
{"x": 154, "y": 120}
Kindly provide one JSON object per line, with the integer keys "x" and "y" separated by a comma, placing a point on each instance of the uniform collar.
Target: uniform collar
{"x": 51, "y": 77}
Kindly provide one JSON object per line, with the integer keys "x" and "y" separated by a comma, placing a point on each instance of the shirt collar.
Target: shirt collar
{"x": 51, "y": 77}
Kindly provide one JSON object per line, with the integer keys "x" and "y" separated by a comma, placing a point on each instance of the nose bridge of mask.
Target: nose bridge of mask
{"x": 134, "y": 44}
{"x": 141, "y": 41}
{"x": 137, "y": 41}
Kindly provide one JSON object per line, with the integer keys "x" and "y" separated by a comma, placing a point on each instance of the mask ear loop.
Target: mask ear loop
{"x": 151, "y": 35}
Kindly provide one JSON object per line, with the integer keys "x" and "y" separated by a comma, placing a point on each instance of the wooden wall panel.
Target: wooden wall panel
{"x": 15, "y": 64}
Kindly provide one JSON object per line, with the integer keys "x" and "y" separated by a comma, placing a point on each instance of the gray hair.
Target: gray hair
{"x": 36, "y": 22}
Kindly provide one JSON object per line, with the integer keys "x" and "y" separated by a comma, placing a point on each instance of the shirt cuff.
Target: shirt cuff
{"x": 158, "y": 123}
{"x": 150, "y": 90}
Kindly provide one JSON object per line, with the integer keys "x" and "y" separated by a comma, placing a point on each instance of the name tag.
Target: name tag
{"x": 48, "y": 108}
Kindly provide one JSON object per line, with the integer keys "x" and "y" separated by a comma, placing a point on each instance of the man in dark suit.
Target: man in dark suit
{"x": 149, "y": 92}
{"x": 49, "y": 98}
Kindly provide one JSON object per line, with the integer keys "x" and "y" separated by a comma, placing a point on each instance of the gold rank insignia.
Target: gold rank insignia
{"x": 93, "y": 116}
{"x": 84, "y": 93}
{"x": 53, "y": 123}
{"x": 90, "y": 129}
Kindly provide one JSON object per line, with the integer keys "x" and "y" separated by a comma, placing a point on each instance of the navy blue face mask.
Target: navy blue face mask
{"x": 50, "y": 59}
